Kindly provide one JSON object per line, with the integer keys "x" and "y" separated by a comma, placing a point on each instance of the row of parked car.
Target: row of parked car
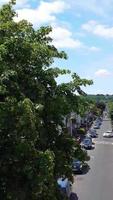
{"x": 87, "y": 143}
{"x": 92, "y": 133}
{"x": 78, "y": 166}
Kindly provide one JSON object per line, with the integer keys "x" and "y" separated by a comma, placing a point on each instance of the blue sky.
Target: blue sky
{"x": 84, "y": 29}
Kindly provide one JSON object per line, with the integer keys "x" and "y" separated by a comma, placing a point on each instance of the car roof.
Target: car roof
{"x": 76, "y": 161}
{"x": 87, "y": 138}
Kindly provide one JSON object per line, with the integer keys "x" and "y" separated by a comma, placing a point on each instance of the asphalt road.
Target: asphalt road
{"x": 97, "y": 183}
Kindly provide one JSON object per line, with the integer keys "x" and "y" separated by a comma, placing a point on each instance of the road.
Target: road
{"x": 97, "y": 183}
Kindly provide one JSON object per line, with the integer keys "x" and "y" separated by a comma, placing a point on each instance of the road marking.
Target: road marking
{"x": 103, "y": 142}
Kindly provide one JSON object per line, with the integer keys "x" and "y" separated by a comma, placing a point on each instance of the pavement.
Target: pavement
{"x": 97, "y": 183}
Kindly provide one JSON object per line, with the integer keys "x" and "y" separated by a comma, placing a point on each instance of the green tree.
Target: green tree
{"x": 110, "y": 106}
{"x": 34, "y": 151}
{"x": 101, "y": 105}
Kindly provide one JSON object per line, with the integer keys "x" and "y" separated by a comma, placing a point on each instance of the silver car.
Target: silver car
{"x": 108, "y": 134}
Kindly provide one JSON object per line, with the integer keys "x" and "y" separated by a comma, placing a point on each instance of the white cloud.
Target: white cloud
{"x": 22, "y": 3}
{"x": 102, "y": 73}
{"x": 95, "y": 49}
{"x": 98, "y": 29}
{"x": 62, "y": 38}
{"x": 103, "y": 7}
{"x": 91, "y": 49}
{"x": 45, "y": 13}
{"x": 19, "y": 3}
{"x": 91, "y": 5}
{"x": 3, "y": 2}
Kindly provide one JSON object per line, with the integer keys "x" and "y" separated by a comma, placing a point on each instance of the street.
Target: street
{"x": 97, "y": 183}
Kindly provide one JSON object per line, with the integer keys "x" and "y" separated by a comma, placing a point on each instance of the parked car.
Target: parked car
{"x": 108, "y": 134}
{"x": 87, "y": 143}
{"x": 96, "y": 126}
{"x": 92, "y": 133}
{"x": 100, "y": 118}
{"x": 77, "y": 166}
{"x": 98, "y": 122}
{"x": 65, "y": 186}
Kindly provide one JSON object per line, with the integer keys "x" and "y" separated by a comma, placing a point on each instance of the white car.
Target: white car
{"x": 108, "y": 134}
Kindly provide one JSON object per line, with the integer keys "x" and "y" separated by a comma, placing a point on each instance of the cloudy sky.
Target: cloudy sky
{"x": 84, "y": 29}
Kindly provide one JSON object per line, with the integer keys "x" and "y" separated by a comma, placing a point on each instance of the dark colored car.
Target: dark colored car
{"x": 100, "y": 118}
{"x": 92, "y": 133}
{"x": 87, "y": 143}
{"x": 98, "y": 122}
{"x": 77, "y": 166}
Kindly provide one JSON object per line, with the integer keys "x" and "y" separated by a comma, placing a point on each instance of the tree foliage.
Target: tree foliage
{"x": 110, "y": 106}
{"x": 101, "y": 105}
{"x": 33, "y": 152}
